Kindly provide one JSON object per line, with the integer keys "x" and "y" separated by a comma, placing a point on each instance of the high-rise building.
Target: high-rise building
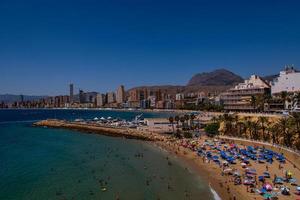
{"x": 81, "y": 96}
{"x": 100, "y": 100}
{"x": 134, "y": 95}
{"x": 71, "y": 93}
{"x": 111, "y": 97}
{"x": 120, "y": 95}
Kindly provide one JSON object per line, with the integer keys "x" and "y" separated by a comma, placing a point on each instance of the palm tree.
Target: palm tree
{"x": 171, "y": 120}
{"x": 240, "y": 128}
{"x": 228, "y": 122}
{"x": 284, "y": 128}
{"x": 235, "y": 119}
{"x": 295, "y": 117}
{"x": 214, "y": 119}
{"x": 275, "y": 133}
{"x": 253, "y": 128}
{"x": 263, "y": 121}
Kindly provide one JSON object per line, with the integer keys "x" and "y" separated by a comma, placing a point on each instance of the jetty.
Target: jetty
{"x": 124, "y": 132}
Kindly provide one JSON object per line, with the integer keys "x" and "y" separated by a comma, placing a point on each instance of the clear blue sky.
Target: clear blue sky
{"x": 97, "y": 45}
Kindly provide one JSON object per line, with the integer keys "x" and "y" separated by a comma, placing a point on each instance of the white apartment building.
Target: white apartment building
{"x": 288, "y": 80}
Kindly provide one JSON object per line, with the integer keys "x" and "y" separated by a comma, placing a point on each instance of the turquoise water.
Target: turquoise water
{"x": 41, "y": 163}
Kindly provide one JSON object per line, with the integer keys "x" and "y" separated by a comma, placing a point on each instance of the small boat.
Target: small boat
{"x": 103, "y": 189}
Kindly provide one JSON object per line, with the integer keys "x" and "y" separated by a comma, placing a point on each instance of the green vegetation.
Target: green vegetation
{"x": 284, "y": 131}
{"x": 212, "y": 129}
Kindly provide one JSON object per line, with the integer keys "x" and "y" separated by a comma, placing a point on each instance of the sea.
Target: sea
{"x": 39, "y": 163}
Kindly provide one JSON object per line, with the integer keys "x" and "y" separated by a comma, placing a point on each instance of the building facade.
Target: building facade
{"x": 288, "y": 81}
{"x": 120, "y": 95}
{"x": 240, "y": 98}
{"x": 100, "y": 100}
{"x": 111, "y": 97}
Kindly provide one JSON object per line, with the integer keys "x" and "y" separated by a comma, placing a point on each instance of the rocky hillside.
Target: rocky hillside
{"x": 219, "y": 77}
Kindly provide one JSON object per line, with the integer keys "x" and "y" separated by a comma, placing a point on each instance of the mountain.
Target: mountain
{"x": 10, "y": 98}
{"x": 219, "y": 77}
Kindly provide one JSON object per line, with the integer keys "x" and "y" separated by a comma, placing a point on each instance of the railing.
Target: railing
{"x": 291, "y": 150}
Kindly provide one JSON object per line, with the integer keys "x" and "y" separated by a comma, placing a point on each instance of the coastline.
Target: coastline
{"x": 160, "y": 141}
{"x": 210, "y": 172}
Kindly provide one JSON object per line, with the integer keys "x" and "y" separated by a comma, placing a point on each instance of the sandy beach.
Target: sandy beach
{"x": 222, "y": 184}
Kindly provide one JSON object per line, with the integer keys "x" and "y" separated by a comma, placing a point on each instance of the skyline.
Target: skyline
{"x": 101, "y": 45}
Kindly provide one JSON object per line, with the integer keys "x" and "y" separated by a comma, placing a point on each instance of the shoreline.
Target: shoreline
{"x": 209, "y": 171}
{"x": 160, "y": 141}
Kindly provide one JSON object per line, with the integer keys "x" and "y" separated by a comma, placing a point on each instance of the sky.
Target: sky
{"x": 98, "y": 45}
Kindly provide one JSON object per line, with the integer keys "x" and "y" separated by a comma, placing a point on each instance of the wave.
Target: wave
{"x": 215, "y": 194}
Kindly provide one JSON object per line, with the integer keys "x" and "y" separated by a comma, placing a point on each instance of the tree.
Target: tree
{"x": 284, "y": 128}
{"x": 228, "y": 122}
{"x": 263, "y": 121}
{"x": 253, "y": 129}
{"x": 212, "y": 129}
{"x": 295, "y": 118}
{"x": 241, "y": 129}
{"x": 275, "y": 133}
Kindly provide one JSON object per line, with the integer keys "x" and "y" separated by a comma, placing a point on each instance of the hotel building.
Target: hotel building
{"x": 239, "y": 97}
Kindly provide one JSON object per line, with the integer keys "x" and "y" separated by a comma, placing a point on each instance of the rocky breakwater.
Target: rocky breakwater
{"x": 101, "y": 129}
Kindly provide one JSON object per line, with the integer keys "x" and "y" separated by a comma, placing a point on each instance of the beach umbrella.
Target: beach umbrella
{"x": 261, "y": 178}
{"x": 243, "y": 164}
{"x": 268, "y": 187}
{"x": 237, "y": 174}
{"x": 292, "y": 181}
{"x": 266, "y": 174}
{"x": 228, "y": 170}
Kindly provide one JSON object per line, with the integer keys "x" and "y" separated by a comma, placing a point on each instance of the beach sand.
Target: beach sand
{"x": 212, "y": 173}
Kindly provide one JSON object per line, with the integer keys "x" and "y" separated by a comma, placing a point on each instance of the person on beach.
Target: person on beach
{"x": 228, "y": 189}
